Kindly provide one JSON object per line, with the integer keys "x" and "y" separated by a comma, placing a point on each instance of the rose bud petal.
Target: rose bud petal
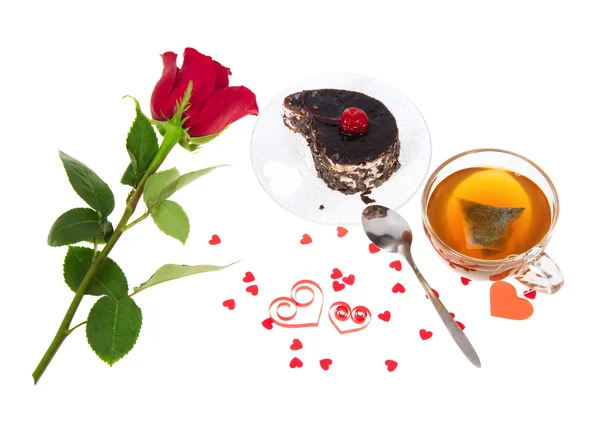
{"x": 163, "y": 87}
{"x": 223, "y": 108}
{"x": 222, "y": 73}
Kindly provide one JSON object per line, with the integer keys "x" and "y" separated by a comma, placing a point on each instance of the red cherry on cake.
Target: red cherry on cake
{"x": 354, "y": 121}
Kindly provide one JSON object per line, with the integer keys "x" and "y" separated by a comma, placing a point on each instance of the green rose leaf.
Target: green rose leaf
{"x": 183, "y": 181}
{"x": 113, "y": 327}
{"x": 172, "y": 220}
{"x": 156, "y": 184}
{"x": 74, "y": 226}
{"x": 88, "y": 185}
{"x": 128, "y": 177}
{"x": 142, "y": 146}
{"x": 171, "y": 272}
{"x": 109, "y": 279}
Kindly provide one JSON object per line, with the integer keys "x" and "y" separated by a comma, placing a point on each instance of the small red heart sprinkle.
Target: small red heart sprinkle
{"x": 248, "y": 278}
{"x": 425, "y": 335}
{"x": 214, "y": 240}
{"x": 460, "y": 325}
{"x": 373, "y": 248}
{"x": 452, "y": 314}
{"x": 229, "y": 303}
{"x": 342, "y": 231}
{"x": 337, "y": 286}
{"x": 385, "y": 316}
{"x": 349, "y": 280}
{"x": 296, "y": 344}
{"x": 325, "y": 363}
{"x": 465, "y": 280}
{"x": 434, "y": 292}
{"x": 398, "y": 288}
{"x": 531, "y": 294}
{"x": 253, "y": 289}
{"x": 336, "y": 273}
{"x": 391, "y": 365}
{"x": 306, "y": 239}
{"x": 296, "y": 363}
{"x": 268, "y": 323}
{"x": 397, "y": 265}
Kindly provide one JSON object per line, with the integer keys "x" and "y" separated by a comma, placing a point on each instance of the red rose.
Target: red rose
{"x": 214, "y": 104}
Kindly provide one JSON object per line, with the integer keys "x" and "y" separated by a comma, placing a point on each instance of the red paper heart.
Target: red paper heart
{"x": 268, "y": 323}
{"x": 373, "y": 248}
{"x": 391, "y": 365}
{"x": 229, "y": 303}
{"x": 296, "y": 363}
{"x": 425, "y": 335}
{"x": 214, "y": 240}
{"x": 248, "y": 278}
{"x": 337, "y": 286}
{"x": 304, "y": 312}
{"x": 396, "y": 265}
{"x": 253, "y": 290}
{"x": 531, "y": 294}
{"x": 306, "y": 239}
{"x": 349, "y": 280}
{"x": 398, "y": 288}
{"x": 325, "y": 363}
{"x": 460, "y": 325}
{"x": 385, "y": 316}
{"x": 504, "y": 302}
{"x": 336, "y": 274}
{"x": 348, "y": 320}
{"x": 341, "y": 231}
{"x": 465, "y": 280}
{"x": 434, "y": 292}
{"x": 296, "y": 344}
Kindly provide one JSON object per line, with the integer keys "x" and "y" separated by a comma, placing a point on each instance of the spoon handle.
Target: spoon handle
{"x": 457, "y": 334}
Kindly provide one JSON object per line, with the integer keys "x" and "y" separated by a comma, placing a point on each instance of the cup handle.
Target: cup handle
{"x": 543, "y": 275}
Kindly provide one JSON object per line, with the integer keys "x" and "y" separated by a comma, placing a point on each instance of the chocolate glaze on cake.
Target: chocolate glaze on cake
{"x": 347, "y": 163}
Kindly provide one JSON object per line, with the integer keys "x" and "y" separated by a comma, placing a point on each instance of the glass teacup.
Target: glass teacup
{"x": 533, "y": 267}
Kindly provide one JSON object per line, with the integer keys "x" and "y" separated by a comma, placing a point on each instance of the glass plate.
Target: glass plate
{"x": 284, "y": 167}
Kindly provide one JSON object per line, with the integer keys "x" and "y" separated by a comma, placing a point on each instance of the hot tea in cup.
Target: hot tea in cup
{"x": 490, "y": 213}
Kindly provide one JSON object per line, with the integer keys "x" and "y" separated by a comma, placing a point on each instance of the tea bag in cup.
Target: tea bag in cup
{"x": 487, "y": 226}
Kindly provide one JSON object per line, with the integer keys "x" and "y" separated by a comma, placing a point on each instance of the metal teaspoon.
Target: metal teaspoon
{"x": 389, "y": 231}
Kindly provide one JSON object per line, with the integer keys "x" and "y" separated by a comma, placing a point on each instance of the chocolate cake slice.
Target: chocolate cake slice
{"x": 347, "y": 162}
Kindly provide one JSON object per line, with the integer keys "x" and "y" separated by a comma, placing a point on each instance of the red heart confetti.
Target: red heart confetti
{"x": 342, "y": 231}
{"x": 465, "y": 281}
{"x": 214, "y": 240}
{"x": 337, "y": 286}
{"x": 325, "y": 363}
{"x": 336, "y": 273}
{"x": 391, "y": 365}
{"x": 349, "y": 280}
{"x": 296, "y": 363}
{"x": 268, "y": 323}
{"x": 385, "y": 316}
{"x": 248, "y": 278}
{"x": 398, "y": 288}
{"x": 229, "y": 303}
{"x": 460, "y": 325}
{"x": 373, "y": 248}
{"x": 434, "y": 292}
{"x": 452, "y": 314}
{"x": 531, "y": 294}
{"x": 253, "y": 290}
{"x": 296, "y": 344}
{"x": 396, "y": 265}
{"x": 306, "y": 239}
{"x": 425, "y": 335}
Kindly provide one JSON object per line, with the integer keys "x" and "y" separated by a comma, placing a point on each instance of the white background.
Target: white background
{"x": 523, "y": 76}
